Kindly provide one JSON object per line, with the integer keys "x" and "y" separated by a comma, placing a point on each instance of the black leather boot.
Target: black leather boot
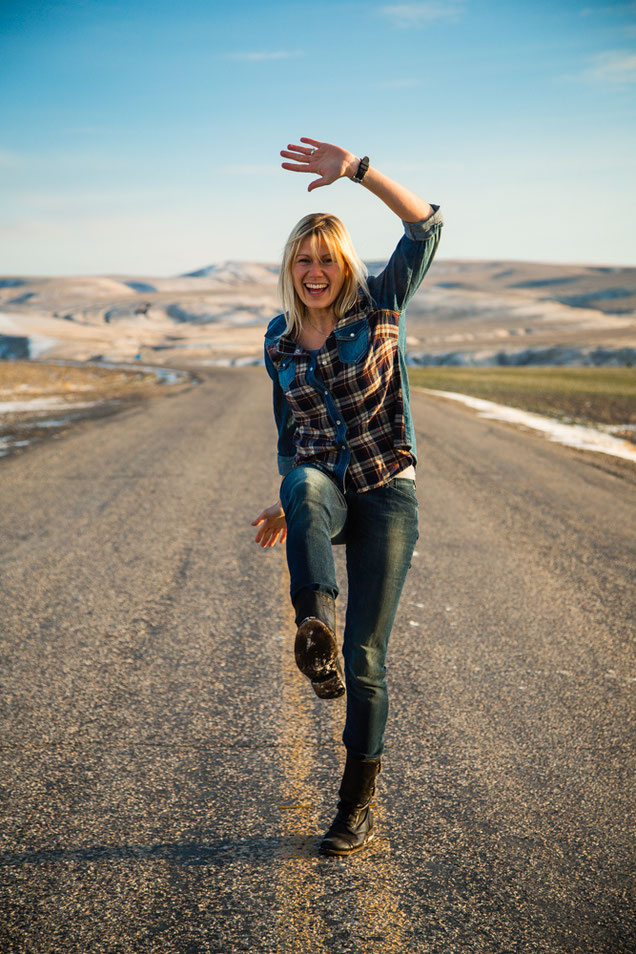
{"x": 352, "y": 827}
{"x": 315, "y": 648}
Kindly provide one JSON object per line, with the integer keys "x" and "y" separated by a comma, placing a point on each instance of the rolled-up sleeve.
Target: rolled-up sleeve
{"x": 420, "y": 231}
{"x": 394, "y": 287}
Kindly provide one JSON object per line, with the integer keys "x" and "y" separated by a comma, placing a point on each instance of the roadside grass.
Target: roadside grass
{"x": 592, "y": 396}
{"x": 30, "y": 379}
{"x": 86, "y": 391}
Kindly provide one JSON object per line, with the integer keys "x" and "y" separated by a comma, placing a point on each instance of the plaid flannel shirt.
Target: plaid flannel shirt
{"x": 345, "y": 407}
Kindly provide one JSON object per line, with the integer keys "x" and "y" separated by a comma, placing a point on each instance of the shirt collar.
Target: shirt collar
{"x": 286, "y": 344}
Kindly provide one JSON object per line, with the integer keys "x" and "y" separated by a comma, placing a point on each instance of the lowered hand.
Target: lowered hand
{"x": 272, "y": 526}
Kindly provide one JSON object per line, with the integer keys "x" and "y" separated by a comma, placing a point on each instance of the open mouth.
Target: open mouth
{"x": 315, "y": 289}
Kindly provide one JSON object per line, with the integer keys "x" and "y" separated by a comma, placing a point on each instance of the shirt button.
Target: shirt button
{"x": 352, "y": 334}
{"x": 338, "y": 423}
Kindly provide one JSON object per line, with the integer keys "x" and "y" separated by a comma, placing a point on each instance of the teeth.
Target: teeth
{"x": 315, "y": 286}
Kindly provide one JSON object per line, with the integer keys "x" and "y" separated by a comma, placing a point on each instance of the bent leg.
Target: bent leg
{"x": 381, "y": 536}
{"x": 315, "y": 513}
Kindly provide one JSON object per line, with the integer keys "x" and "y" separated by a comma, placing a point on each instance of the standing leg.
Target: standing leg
{"x": 381, "y": 536}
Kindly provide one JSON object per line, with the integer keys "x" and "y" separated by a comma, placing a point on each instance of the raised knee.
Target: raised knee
{"x": 304, "y": 486}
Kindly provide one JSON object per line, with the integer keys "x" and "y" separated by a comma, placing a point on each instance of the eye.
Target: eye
{"x": 327, "y": 261}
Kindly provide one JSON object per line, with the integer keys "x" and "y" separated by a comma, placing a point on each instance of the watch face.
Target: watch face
{"x": 362, "y": 168}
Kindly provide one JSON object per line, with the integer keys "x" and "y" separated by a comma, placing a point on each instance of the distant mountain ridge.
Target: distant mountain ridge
{"x": 233, "y": 273}
{"x": 467, "y": 312}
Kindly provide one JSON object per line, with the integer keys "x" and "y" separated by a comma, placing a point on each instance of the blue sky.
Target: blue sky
{"x": 142, "y": 137}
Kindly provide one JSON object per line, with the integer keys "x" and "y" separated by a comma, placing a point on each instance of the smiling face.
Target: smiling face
{"x": 318, "y": 276}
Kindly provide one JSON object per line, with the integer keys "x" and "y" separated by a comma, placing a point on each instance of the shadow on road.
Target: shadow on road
{"x": 279, "y": 847}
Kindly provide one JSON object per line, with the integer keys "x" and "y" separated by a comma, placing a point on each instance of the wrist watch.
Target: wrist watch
{"x": 362, "y": 169}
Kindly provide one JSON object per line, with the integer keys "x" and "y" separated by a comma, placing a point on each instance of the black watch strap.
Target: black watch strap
{"x": 362, "y": 169}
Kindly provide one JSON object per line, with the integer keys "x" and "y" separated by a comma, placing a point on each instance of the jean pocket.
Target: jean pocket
{"x": 405, "y": 487}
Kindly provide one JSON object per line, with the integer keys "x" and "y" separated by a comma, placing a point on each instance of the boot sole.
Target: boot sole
{"x": 336, "y": 853}
{"x": 316, "y": 655}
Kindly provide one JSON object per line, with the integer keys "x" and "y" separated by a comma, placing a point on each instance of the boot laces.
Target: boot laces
{"x": 352, "y": 815}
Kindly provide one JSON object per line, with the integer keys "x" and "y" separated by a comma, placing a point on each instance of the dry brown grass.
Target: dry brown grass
{"x": 75, "y": 391}
{"x": 22, "y": 380}
{"x": 605, "y": 396}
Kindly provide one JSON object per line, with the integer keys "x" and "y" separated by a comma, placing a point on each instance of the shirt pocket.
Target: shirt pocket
{"x": 286, "y": 371}
{"x": 352, "y": 341}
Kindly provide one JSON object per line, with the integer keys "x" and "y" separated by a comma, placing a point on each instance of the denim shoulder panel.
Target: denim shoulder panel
{"x": 275, "y": 328}
{"x": 286, "y": 371}
{"x": 352, "y": 340}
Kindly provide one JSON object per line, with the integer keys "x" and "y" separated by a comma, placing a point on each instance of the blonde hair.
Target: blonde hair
{"x": 320, "y": 227}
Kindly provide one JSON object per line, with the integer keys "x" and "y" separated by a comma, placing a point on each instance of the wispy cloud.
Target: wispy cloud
{"x": 414, "y": 14}
{"x": 398, "y": 84}
{"x": 259, "y": 56}
{"x": 613, "y": 66}
{"x": 620, "y": 8}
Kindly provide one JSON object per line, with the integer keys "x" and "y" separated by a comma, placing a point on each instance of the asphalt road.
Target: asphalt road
{"x": 167, "y": 772}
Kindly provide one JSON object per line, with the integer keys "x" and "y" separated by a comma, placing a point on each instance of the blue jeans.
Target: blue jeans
{"x": 379, "y": 529}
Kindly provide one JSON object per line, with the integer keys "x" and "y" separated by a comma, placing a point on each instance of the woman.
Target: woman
{"x": 346, "y": 451}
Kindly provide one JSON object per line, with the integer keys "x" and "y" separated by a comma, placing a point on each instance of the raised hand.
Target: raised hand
{"x": 272, "y": 526}
{"x": 327, "y": 161}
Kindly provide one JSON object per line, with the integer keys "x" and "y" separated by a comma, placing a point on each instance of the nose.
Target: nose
{"x": 316, "y": 269}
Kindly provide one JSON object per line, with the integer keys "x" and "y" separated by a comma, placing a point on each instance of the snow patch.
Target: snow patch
{"x": 571, "y": 435}
{"x": 12, "y": 326}
{"x": 41, "y": 404}
{"x": 235, "y": 273}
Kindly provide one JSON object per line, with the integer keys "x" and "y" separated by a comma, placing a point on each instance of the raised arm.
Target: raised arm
{"x": 330, "y": 163}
